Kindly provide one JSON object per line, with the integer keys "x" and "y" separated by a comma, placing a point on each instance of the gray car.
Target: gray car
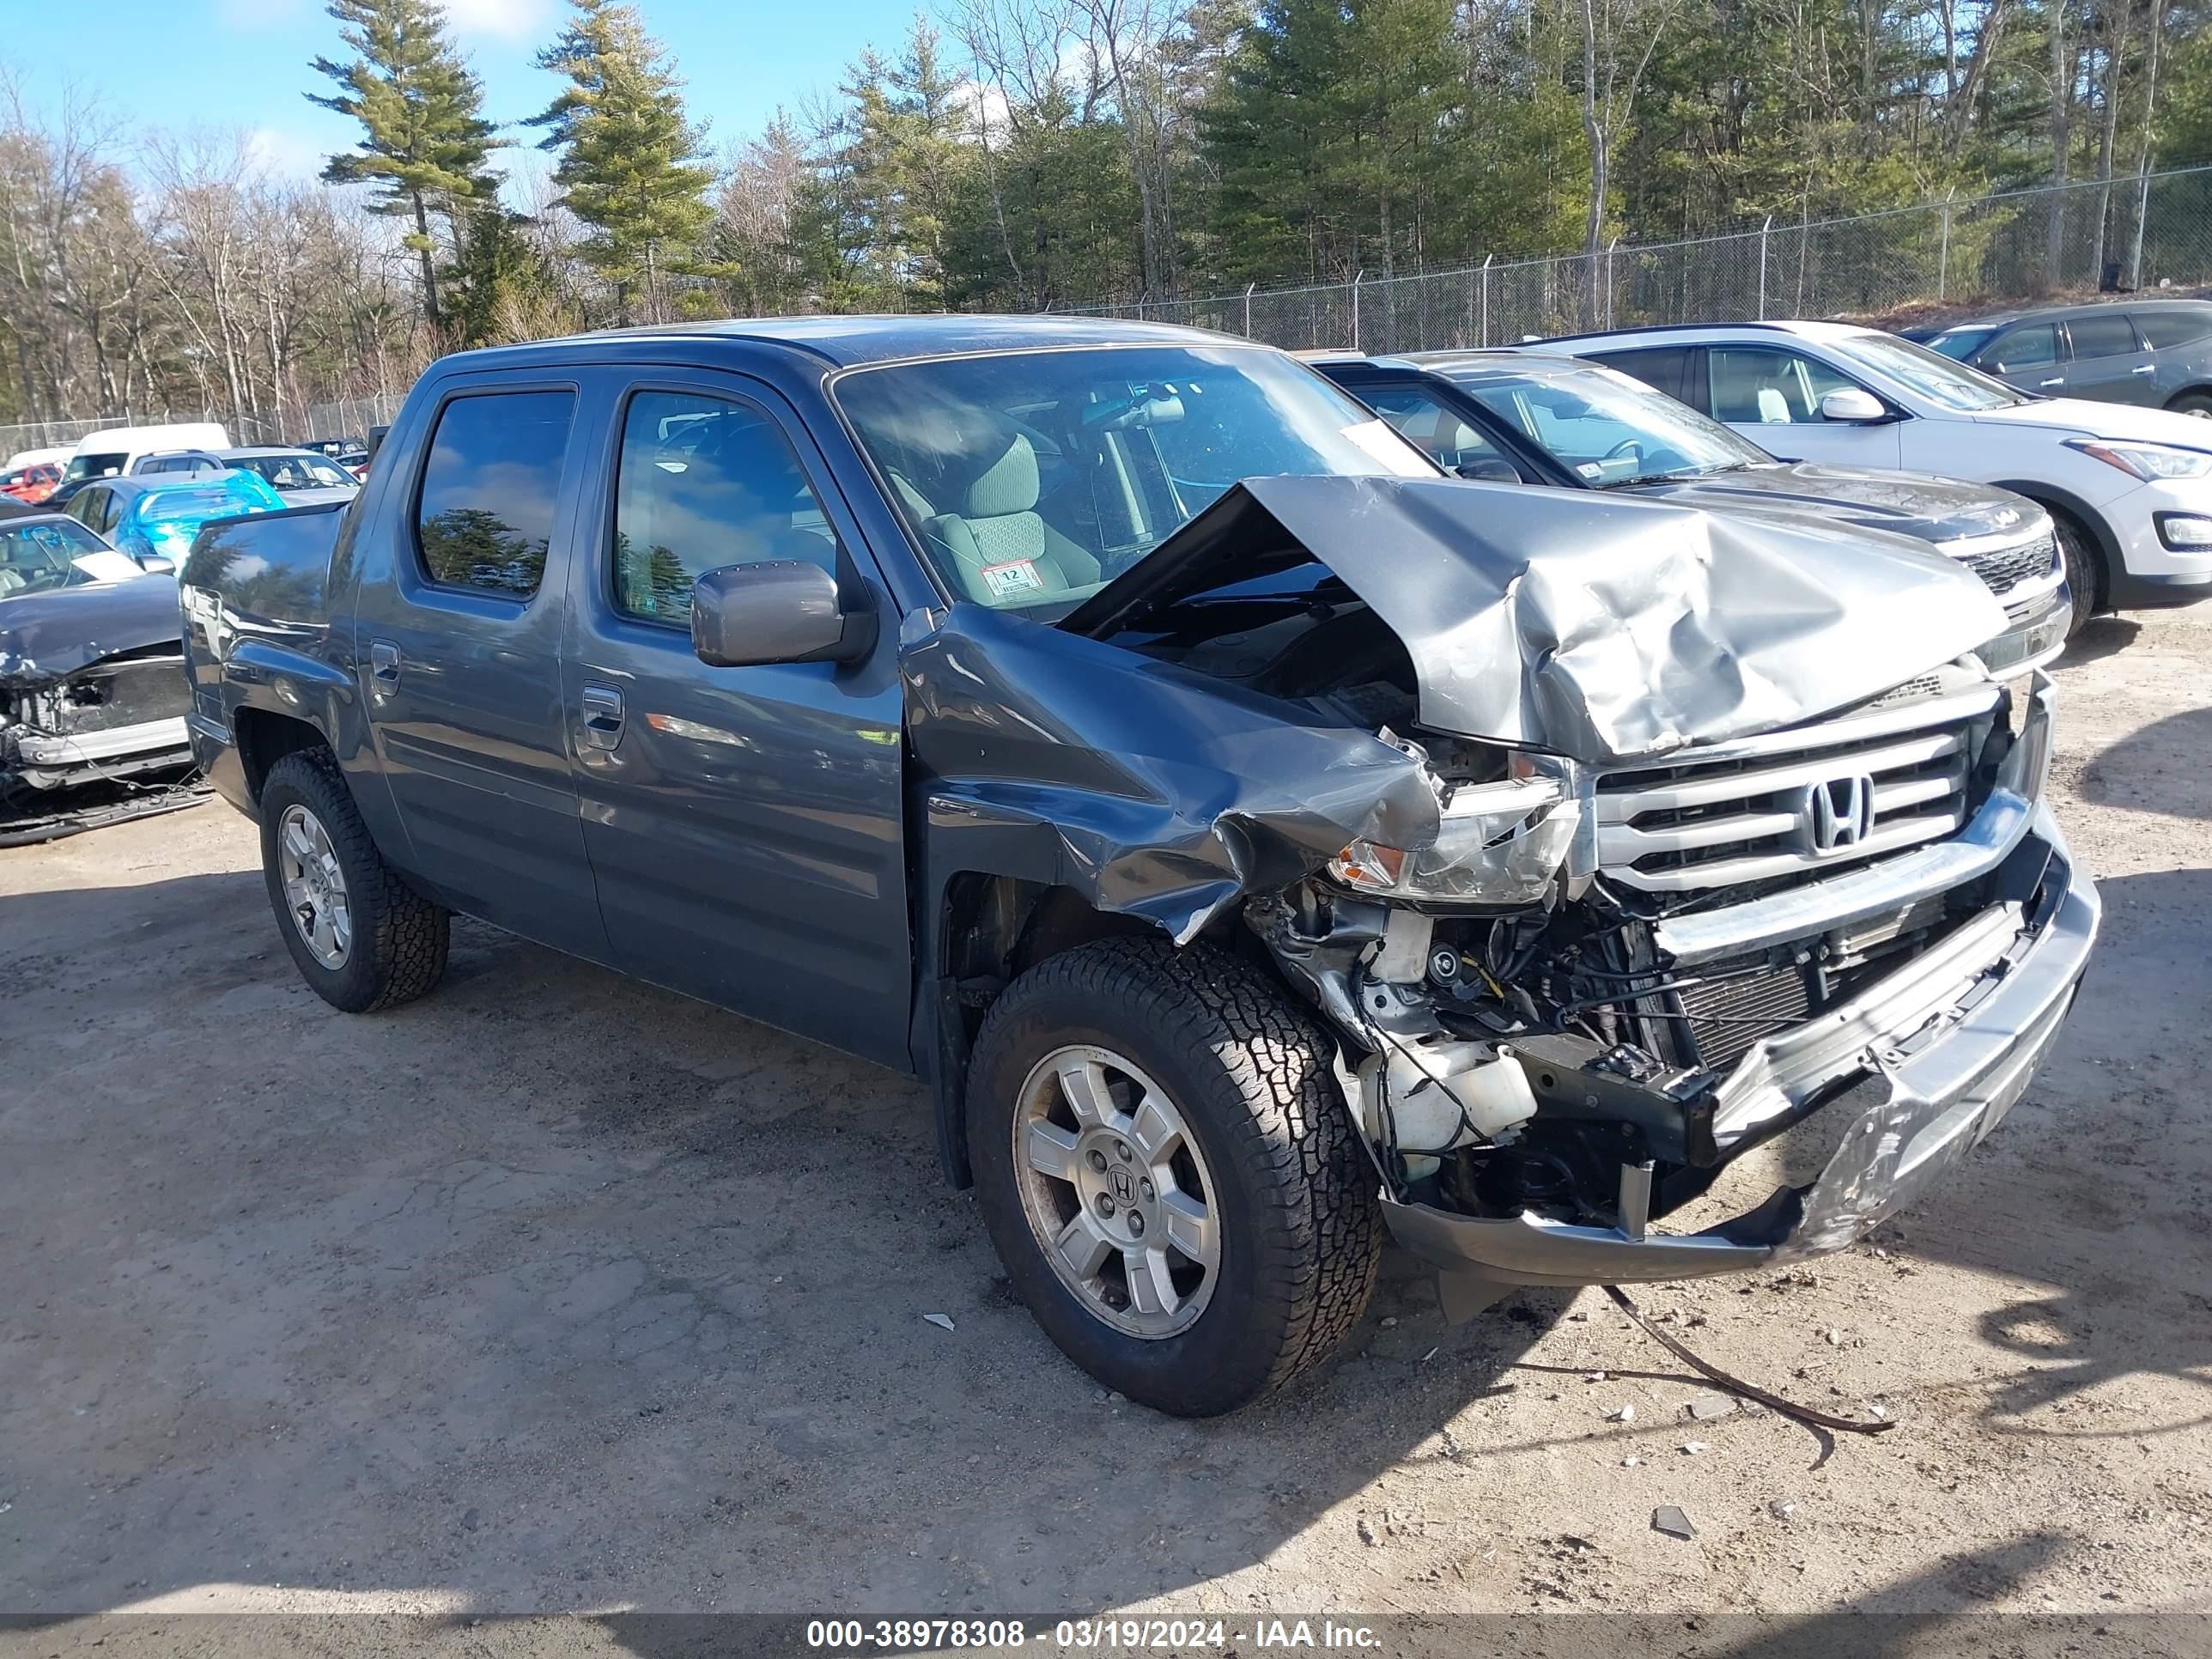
{"x": 2154, "y": 352}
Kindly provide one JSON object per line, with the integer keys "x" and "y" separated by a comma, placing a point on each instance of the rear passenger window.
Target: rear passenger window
{"x": 484, "y": 518}
{"x": 705, "y": 483}
{"x": 2102, "y": 337}
{"x": 2167, "y": 326}
{"x": 1659, "y": 368}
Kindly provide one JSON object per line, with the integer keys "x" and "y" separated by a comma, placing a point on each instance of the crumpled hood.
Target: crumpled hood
{"x": 1596, "y": 626}
{"x": 1915, "y": 504}
{"x": 45, "y": 637}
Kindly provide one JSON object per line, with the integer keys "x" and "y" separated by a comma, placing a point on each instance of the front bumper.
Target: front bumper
{"x": 2148, "y": 572}
{"x": 1944, "y": 1045}
{"x": 47, "y": 760}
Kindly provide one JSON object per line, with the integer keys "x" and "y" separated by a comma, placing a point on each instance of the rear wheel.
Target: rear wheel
{"x": 1167, "y": 1172}
{"x": 358, "y": 934}
{"x": 2193, "y": 403}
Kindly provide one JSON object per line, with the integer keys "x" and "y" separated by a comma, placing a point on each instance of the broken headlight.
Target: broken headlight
{"x": 1499, "y": 843}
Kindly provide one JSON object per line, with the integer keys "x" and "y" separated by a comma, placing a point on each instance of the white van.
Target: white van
{"x": 36, "y": 458}
{"x": 112, "y": 454}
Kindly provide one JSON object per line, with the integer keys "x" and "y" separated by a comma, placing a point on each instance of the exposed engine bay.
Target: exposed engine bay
{"x": 1533, "y": 1024}
{"x": 92, "y": 699}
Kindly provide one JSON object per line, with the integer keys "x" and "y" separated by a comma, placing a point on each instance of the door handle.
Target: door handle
{"x": 383, "y": 663}
{"x": 603, "y": 716}
{"x": 2061, "y": 381}
{"x": 2147, "y": 368}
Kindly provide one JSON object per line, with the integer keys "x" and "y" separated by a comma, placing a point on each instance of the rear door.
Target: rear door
{"x": 459, "y": 650}
{"x": 2108, "y": 362}
{"x": 745, "y": 824}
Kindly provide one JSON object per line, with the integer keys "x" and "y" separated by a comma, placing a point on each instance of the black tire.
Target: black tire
{"x": 2085, "y": 572}
{"x": 399, "y": 938}
{"x": 2192, "y": 403}
{"x": 1301, "y": 1227}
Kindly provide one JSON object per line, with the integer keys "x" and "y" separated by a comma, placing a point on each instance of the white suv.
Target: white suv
{"x": 2130, "y": 489}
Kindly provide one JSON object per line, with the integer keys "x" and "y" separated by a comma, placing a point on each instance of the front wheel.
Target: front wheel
{"x": 358, "y": 934}
{"x": 1168, "y": 1171}
{"x": 2084, "y": 572}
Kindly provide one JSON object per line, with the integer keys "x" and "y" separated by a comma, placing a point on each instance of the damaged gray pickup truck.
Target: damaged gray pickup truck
{"x": 1258, "y": 841}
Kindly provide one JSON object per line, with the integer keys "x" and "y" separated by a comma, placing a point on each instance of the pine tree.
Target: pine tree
{"x": 425, "y": 142}
{"x": 629, "y": 156}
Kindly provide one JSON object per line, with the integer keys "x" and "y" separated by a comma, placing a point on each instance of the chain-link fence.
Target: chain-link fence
{"x": 347, "y": 417}
{"x": 2011, "y": 246}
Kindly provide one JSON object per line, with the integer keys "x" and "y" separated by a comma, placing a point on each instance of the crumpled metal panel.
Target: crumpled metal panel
{"x": 47, "y": 637}
{"x": 1151, "y": 791}
{"x": 1597, "y": 627}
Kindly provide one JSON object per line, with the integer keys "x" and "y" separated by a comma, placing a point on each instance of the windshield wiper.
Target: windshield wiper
{"x": 1676, "y": 476}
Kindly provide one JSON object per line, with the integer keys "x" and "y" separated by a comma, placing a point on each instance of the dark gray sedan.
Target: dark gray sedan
{"x": 2154, "y": 352}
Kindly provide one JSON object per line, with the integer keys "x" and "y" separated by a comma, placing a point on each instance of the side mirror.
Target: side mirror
{"x": 1853, "y": 406}
{"x": 1490, "y": 470}
{"x": 154, "y": 565}
{"x": 744, "y": 615}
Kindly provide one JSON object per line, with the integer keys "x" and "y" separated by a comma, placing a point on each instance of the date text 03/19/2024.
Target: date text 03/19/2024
{"x": 1074, "y": 1636}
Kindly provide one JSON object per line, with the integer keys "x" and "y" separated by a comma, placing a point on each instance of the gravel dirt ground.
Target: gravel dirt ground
{"x": 555, "y": 1291}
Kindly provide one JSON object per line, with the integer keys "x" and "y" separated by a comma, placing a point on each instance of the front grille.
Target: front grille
{"x": 1694, "y": 825}
{"x": 2007, "y": 568}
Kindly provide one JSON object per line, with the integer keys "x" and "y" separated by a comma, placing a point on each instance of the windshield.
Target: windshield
{"x": 296, "y": 471}
{"x": 1934, "y": 376}
{"x": 36, "y": 558}
{"x": 1960, "y": 343}
{"x": 1612, "y": 429}
{"x": 93, "y": 466}
{"x": 1032, "y": 478}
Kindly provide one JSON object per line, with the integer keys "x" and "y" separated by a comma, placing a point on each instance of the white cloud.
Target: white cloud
{"x": 278, "y": 153}
{"x": 508, "y": 20}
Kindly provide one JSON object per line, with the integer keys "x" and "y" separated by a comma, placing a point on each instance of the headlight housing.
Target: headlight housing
{"x": 1499, "y": 843}
{"x": 2151, "y": 462}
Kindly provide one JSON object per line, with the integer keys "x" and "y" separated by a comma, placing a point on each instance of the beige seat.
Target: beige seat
{"x": 979, "y": 517}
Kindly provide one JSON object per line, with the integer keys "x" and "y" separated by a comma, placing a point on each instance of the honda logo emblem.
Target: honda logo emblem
{"x": 1838, "y": 814}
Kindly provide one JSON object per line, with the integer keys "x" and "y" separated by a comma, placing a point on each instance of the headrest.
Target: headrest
{"x": 1004, "y": 479}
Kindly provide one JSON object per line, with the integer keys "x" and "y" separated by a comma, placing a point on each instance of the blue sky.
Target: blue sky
{"x": 243, "y": 64}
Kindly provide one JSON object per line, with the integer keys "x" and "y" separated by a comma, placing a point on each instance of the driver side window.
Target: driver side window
{"x": 1765, "y": 386}
{"x": 704, "y": 482}
{"x": 1437, "y": 432}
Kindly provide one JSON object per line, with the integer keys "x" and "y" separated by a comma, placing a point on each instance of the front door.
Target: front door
{"x": 746, "y": 824}
{"x": 458, "y": 647}
{"x": 1771, "y": 395}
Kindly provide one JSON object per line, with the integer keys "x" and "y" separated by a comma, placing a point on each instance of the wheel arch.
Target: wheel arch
{"x": 986, "y": 929}
{"x": 265, "y": 736}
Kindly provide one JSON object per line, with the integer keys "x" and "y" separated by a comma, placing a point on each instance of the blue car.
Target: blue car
{"x": 151, "y": 518}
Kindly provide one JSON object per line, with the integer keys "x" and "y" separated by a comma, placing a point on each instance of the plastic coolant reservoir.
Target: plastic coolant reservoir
{"x": 1443, "y": 1095}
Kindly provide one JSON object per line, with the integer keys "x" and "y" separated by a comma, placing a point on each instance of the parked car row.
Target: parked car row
{"x": 2129, "y": 489}
{"x": 1264, "y": 820}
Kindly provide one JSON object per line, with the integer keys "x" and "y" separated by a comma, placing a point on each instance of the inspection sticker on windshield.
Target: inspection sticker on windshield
{"x": 1012, "y": 579}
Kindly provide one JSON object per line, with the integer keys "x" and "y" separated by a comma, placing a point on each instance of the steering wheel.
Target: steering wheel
{"x": 1626, "y": 449}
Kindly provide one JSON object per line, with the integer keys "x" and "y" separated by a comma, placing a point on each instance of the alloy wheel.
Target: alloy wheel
{"x": 314, "y": 886}
{"x": 1117, "y": 1192}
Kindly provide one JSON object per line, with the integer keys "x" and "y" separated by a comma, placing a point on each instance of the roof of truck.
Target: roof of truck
{"x": 845, "y": 342}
